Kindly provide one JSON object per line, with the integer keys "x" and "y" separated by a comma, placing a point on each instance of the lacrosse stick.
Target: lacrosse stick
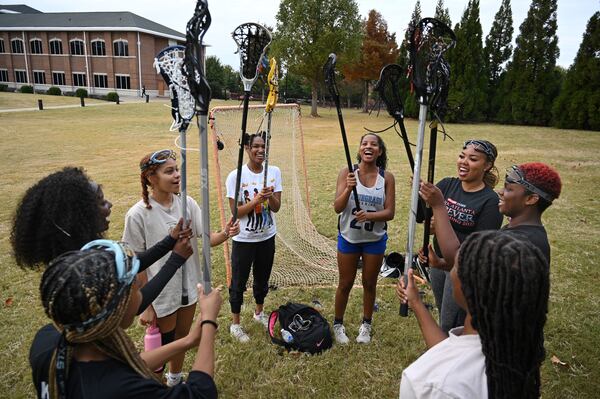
{"x": 169, "y": 63}
{"x": 271, "y": 102}
{"x": 329, "y": 72}
{"x": 200, "y": 91}
{"x": 429, "y": 39}
{"x": 252, "y": 41}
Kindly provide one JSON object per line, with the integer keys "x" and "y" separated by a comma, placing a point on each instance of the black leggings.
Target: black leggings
{"x": 257, "y": 256}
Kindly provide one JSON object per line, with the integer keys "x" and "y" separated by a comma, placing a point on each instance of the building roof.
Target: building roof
{"x": 86, "y": 21}
{"x": 17, "y": 9}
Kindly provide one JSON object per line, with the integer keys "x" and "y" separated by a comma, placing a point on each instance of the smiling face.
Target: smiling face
{"x": 472, "y": 165}
{"x": 166, "y": 178}
{"x": 514, "y": 199}
{"x": 256, "y": 151}
{"x": 369, "y": 149}
{"x": 105, "y": 209}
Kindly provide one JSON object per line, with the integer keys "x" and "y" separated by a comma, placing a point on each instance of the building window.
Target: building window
{"x": 16, "y": 46}
{"x": 120, "y": 48}
{"x": 98, "y": 47}
{"x": 58, "y": 78}
{"x": 56, "y": 46}
{"x": 36, "y": 46}
{"x": 39, "y": 77}
{"x": 123, "y": 82}
{"x": 20, "y": 76}
{"x": 79, "y": 79}
{"x": 3, "y": 75}
{"x": 100, "y": 80}
{"x": 2, "y": 50}
{"x": 76, "y": 47}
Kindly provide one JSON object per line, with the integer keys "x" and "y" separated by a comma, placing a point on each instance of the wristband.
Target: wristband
{"x": 211, "y": 322}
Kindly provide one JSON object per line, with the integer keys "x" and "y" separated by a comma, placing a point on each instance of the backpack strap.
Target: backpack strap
{"x": 273, "y": 317}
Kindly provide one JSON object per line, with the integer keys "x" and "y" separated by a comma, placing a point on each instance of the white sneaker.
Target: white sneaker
{"x": 238, "y": 333}
{"x": 174, "y": 379}
{"x": 339, "y": 332}
{"x": 364, "y": 334}
{"x": 261, "y": 318}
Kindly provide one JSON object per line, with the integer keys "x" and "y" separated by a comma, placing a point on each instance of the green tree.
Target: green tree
{"x": 233, "y": 83}
{"x": 309, "y": 30}
{"x": 411, "y": 108}
{"x": 578, "y": 105}
{"x": 497, "y": 51}
{"x": 467, "y": 96}
{"x": 442, "y": 13}
{"x": 378, "y": 49}
{"x": 293, "y": 87}
{"x": 215, "y": 76}
{"x": 532, "y": 82}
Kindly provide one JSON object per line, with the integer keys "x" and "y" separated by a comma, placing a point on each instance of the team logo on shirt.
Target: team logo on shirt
{"x": 459, "y": 213}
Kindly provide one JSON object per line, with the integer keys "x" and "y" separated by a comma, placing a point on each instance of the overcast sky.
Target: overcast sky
{"x": 227, "y": 14}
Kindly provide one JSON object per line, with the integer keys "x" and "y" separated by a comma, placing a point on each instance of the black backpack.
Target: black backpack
{"x": 309, "y": 329}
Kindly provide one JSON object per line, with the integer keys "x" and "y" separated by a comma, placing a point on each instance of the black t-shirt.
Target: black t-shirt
{"x": 469, "y": 211}
{"x": 536, "y": 234}
{"x": 108, "y": 378}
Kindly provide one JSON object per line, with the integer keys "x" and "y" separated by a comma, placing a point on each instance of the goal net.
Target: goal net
{"x": 303, "y": 257}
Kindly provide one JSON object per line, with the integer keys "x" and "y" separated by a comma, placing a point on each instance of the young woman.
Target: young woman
{"x": 471, "y": 205}
{"x": 92, "y": 296}
{"x": 502, "y": 282}
{"x": 362, "y": 233}
{"x": 149, "y": 220}
{"x": 254, "y": 248}
{"x": 529, "y": 190}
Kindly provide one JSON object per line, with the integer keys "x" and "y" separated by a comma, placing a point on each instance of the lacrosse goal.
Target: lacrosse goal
{"x": 303, "y": 256}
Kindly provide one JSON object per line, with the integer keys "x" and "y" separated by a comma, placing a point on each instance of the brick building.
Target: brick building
{"x": 98, "y": 51}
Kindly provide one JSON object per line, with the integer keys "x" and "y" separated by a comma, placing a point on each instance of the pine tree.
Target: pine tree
{"x": 442, "y": 13}
{"x": 578, "y": 105}
{"x": 532, "y": 82}
{"x": 467, "y": 97}
{"x": 497, "y": 51}
{"x": 411, "y": 108}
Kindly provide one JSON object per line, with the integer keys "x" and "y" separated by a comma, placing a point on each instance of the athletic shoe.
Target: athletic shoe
{"x": 238, "y": 333}
{"x": 364, "y": 334}
{"x": 261, "y": 318}
{"x": 174, "y": 379}
{"x": 339, "y": 332}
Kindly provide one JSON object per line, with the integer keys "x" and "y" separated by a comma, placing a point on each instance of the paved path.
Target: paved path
{"x": 127, "y": 101}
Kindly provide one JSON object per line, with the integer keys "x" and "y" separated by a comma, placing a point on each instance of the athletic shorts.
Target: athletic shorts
{"x": 372, "y": 248}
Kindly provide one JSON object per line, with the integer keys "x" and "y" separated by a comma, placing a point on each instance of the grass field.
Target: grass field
{"x": 109, "y": 141}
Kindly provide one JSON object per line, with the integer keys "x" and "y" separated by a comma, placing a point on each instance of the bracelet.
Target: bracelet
{"x": 211, "y": 322}
{"x": 226, "y": 232}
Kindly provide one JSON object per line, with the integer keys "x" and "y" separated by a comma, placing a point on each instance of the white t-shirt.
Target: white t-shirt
{"x": 259, "y": 225}
{"x": 145, "y": 227}
{"x": 454, "y": 368}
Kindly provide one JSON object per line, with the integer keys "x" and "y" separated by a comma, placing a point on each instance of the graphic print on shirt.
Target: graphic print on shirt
{"x": 259, "y": 218}
{"x": 459, "y": 213}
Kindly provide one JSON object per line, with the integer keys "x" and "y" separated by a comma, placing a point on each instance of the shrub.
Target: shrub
{"x": 81, "y": 93}
{"x": 54, "y": 91}
{"x": 112, "y": 96}
{"x": 26, "y": 89}
{"x": 3, "y": 87}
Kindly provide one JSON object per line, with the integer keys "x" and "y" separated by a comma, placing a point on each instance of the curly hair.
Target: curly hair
{"x": 381, "y": 160}
{"x": 543, "y": 177}
{"x": 80, "y": 285}
{"x": 507, "y": 297}
{"x": 59, "y": 213}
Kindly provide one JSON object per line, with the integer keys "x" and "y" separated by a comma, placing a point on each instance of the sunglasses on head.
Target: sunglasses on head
{"x": 515, "y": 175}
{"x": 158, "y": 158}
{"x": 482, "y": 146}
{"x": 127, "y": 265}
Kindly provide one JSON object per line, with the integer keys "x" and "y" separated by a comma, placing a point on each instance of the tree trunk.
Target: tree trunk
{"x": 349, "y": 101}
{"x": 313, "y": 106}
{"x": 365, "y": 99}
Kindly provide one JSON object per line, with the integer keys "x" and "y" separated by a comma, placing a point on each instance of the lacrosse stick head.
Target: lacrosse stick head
{"x": 252, "y": 40}
{"x": 429, "y": 40}
{"x": 193, "y": 68}
{"x": 388, "y": 87}
{"x": 273, "y": 80}
{"x": 169, "y": 63}
{"x": 438, "y": 101}
{"x": 329, "y": 72}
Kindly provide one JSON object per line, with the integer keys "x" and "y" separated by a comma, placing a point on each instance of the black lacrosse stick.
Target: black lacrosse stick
{"x": 329, "y": 72}
{"x": 252, "y": 41}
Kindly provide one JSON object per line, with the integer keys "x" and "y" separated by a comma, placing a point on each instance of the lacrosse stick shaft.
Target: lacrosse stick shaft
{"x": 206, "y": 264}
{"x": 267, "y": 146}
{"x": 336, "y": 98}
{"x": 430, "y": 177}
{"x": 414, "y": 201}
{"x": 182, "y": 142}
{"x": 238, "y": 177}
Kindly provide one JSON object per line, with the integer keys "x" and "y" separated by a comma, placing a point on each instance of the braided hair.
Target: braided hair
{"x": 381, "y": 160}
{"x": 75, "y": 287}
{"x": 57, "y": 214}
{"x": 505, "y": 282}
{"x": 146, "y": 172}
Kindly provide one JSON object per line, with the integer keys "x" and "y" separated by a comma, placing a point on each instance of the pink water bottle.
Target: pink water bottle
{"x": 152, "y": 338}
